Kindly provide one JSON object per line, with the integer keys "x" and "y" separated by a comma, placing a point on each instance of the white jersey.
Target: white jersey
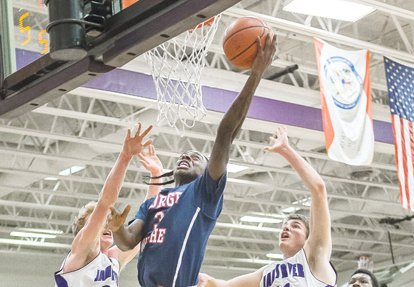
{"x": 101, "y": 271}
{"x": 291, "y": 272}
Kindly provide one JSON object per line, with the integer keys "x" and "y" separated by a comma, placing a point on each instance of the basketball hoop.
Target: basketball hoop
{"x": 176, "y": 67}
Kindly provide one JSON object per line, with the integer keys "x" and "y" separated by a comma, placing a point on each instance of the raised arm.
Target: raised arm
{"x": 123, "y": 252}
{"x": 87, "y": 240}
{"x": 318, "y": 246}
{"x": 128, "y": 237}
{"x": 125, "y": 237}
{"x": 234, "y": 117}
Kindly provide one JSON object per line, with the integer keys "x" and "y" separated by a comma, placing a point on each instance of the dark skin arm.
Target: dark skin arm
{"x": 234, "y": 117}
{"x": 125, "y": 237}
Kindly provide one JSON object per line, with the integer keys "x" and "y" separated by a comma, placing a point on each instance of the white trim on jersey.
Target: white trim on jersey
{"x": 180, "y": 259}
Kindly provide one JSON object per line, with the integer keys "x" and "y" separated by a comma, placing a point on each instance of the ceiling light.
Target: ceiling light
{"x": 248, "y": 227}
{"x": 31, "y": 234}
{"x": 334, "y": 9}
{"x": 304, "y": 202}
{"x": 71, "y": 170}
{"x": 258, "y": 219}
{"x": 274, "y": 255}
{"x": 51, "y": 178}
{"x": 406, "y": 268}
{"x": 234, "y": 168}
{"x": 40, "y": 230}
{"x": 290, "y": 209}
{"x": 34, "y": 243}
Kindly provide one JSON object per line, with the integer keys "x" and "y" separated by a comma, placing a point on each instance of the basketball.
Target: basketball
{"x": 239, "y": 41}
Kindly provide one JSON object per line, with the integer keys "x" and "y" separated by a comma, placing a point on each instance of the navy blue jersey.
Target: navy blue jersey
{"x": 178, "y": 222}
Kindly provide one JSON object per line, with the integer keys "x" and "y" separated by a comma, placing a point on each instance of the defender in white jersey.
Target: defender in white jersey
{"x": 93, "y": 261}
{"x": 306, "y": 246}
{"x": 101, "y": 271}
{"x": 292, "y": 271}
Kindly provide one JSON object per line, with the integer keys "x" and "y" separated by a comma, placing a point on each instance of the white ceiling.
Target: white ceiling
{"x": 86, "y": 127}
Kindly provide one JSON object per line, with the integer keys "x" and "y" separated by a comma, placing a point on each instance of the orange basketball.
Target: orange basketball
{"x": 239, "y": 41}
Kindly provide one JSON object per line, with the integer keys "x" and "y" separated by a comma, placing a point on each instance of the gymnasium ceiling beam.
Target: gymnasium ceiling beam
{"x": 311, "y": 32}
{"x": 230, "y": 199}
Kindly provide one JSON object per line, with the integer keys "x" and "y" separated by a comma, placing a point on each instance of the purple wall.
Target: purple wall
{"x": 141, "y": 85}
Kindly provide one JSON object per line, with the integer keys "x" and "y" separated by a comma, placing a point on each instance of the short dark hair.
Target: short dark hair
{"x": 297, "y": 216}
{"x": 370, "y": 274}
{"x": 196, "y": 151}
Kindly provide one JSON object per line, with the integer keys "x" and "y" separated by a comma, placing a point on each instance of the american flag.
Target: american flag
{"x": 400, "y": 82}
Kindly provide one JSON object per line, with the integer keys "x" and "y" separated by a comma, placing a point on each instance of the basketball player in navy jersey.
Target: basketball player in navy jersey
{"x": 306, "y": 245}
{"x": 363, "y": 278}
{"x": 174, "y": 226}
{"x": 93, "y": 261}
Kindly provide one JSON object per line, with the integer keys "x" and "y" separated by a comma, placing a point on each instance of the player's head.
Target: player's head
{"x": 81, "y": 219}
{"x": 295, "y": 231}
{"x": 83, "y": 215}
{"x": 363, "y": 278}
{"x": 190, "y": 165}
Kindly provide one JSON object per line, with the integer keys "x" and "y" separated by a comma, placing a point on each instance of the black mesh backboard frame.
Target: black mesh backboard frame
{"x": 128, "y": 34}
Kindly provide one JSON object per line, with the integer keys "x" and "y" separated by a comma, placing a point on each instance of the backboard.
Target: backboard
{"x": 129, "y": 33}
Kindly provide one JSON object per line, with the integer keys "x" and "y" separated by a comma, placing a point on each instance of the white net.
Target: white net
{"x": 176, "y": 68}
{"x": 366, "y": 263}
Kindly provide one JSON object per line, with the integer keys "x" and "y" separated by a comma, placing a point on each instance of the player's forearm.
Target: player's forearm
{"x": 308, "y": 174}
{"x": 115, "y": 179}
{"x": 124, "y": 239}
{"x": 229, "y": 127}
{"x": 236, "y": 114}
{"x": 127, "y": 256}
{"x": 217, "y": 283}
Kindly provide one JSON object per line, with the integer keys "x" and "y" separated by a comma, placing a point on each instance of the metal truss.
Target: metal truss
{"x": 85, "y": 128}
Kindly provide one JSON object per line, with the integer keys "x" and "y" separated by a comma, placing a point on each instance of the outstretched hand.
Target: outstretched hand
{"x": 279, "y": 141}
{"x": 133, "y": 145}
{"x": 264, "y": 54}
{"x": 117, "y": 219}
{"x": 150, "y": 161}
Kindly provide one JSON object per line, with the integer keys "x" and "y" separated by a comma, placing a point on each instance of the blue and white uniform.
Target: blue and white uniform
{"x": 177, "y": 224}
{"x": 101, "y": 271}
{"x": 291, "y": 272}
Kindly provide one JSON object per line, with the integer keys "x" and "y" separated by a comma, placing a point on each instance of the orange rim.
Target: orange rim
{"x": 127, "y": 3}
{"x": 205, "y": 23}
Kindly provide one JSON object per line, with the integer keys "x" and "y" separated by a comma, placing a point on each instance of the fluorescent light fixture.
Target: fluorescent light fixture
{"x": 34, "y": 243}
{"x": 304, "y": 201}
{"x": 51, "y": 178}
{"x": 47, "y": 231}
{"x": 71, "y": 170}
{"x": 258, "y": 219}
{"x": 290, "y": 209}
{"x": 335, "y": 9}
{"x": 406, "y": 268}
{"x": 233, "y": 168}
{"x": 248, "y": 227}
{"x": 31, "y": 234}
{"x": 274, "y": 255}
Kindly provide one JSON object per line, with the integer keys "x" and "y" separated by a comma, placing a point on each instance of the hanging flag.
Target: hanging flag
{"x": 400, "y": 83}
{"x": 346, "y": 103}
